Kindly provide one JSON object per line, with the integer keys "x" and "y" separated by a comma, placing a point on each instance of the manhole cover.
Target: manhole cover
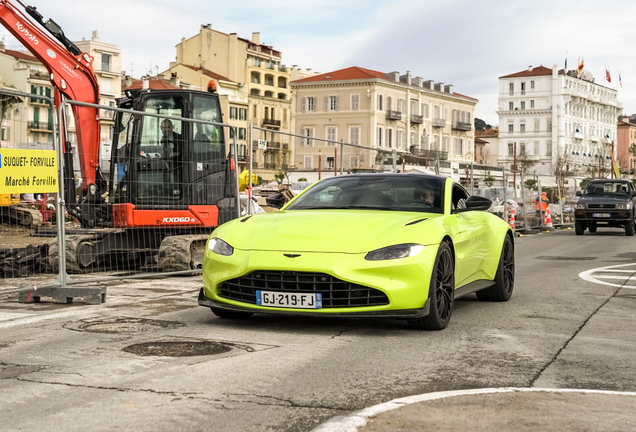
{"x": 126, "y": 325}
{"x": 177, "y": 349}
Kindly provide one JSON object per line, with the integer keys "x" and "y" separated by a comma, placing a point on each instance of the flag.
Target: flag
{"x": 619, "y": 79}
{"x": 566, "y": 62}
{"x": 608, "y": 77}
{"x": 581, "y": 67}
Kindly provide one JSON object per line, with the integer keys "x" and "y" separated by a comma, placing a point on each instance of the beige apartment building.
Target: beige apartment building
{"x": 381, "y": 111}
{"x": 261, "y": 81}
{"x": 28, "y": 124}
{"x": 107, "y": 68}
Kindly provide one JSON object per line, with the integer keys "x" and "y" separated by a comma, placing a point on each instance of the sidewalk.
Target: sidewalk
{"x": 496, "y": 409}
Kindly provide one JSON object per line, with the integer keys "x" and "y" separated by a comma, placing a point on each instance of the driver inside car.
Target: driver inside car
{"x": 424, "y": 194}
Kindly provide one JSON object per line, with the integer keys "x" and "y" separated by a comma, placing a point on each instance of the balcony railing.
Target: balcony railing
{"x": 39, "y": 75}
{"x": 271, "y": 122}
{"x": 393, "y": 115}
{"x": 282, "y": 68}
{"x": 270, "y": 66}
{"x": 417, "y": 119}
{"x": 41, "y": 126}
{"x": 429, "y": 154}
{"x": 439, "y": 122}
{"x": 462, "y": 126}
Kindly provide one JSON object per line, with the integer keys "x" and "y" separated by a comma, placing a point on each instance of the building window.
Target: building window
{"x": 523, "y": 105}
{"x": 511, "y": 88}
{"x": 523, "y": 88}
{"x": 537, "y": 125}
{"x": 379, "y": 102}
{"x": 285, "y": 114}
{"x": 389, "y": 103}
{"x": 242, "y": 133}
{"x": 532, "y": 104}
{"x": 531, "y": 85}
{"x": 106, "y": 62}
{"x": 511, "y": 127}
{"x": 308, "y": 164}
{"x": 330, "y": 162}
{"x": 266, "y": 113}
{"x": 511, "y": 106}
{"x": 425, "y": 110}
{"x": 311, "y": 104}
{"x": 548, "y": 148}
{"x": 537, "y": 148}
{"x": 354, "y": 135}
{"x": 353, "y": 161}
{"x": 331, "y": 135}
{"x": 399, "y": 139}
{"x": 400, "y": 105}
{"x": 389, "y": 138}
{"x": 309, "y": 133}
{"x": 511, "y": 149}
{"x": 332, "y": 103}
{"x": 380, "y": 133}
{"x": 255, "y": 111}
{"x": 355, "y": 102}
{"x": 445, "y": 146}
{"x": 436, "y": 112}
{"x": 522, "y": 127}
{"x": 522, "y": 149}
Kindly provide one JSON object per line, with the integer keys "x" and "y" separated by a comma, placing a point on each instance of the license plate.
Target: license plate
{"x": 289, "y": 300}
{"x": 603, "y": 215}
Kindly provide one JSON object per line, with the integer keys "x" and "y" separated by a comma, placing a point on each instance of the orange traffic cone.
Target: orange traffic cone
{"x": 548, "y": 220}
{"x": 512, "y": 219}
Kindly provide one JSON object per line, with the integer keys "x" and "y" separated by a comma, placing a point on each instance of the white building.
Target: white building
{"x": 550, "y": 112}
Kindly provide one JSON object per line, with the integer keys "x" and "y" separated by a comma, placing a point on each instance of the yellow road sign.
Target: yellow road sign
{"x": 28, "y": 171}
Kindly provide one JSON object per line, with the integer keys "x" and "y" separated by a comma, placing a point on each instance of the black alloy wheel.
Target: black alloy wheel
{"x": 505, "y": 276}
{"x": 579, "y": 227}
{"x": 441, "y": 292}
{"x": 629, "y": 228}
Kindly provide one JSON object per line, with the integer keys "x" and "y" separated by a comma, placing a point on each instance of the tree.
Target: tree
{"x": 489, "y": 180}
{"x": 560, "y": 171}
{"x": 524, "y": 163}
{"x": 481, "y": 125}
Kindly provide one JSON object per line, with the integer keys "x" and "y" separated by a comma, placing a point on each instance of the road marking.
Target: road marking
{"x": 38, "y": 318}
{"x": 6, "y": 316}
{"x": 355, "y": 420}
{"x": 595, "y": 275}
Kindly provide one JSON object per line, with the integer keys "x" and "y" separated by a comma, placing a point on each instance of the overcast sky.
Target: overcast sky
{"x": 465, "y": 43}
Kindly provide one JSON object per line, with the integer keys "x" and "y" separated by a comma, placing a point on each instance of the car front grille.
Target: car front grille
{"x": 601, "y": 206}
{"x": 336, "y": 293}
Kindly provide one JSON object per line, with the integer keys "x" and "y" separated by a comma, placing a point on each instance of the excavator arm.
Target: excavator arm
{"x": 71, "y": 73}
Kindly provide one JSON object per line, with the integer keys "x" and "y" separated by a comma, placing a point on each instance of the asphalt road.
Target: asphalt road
{"x": 63, "y": 367}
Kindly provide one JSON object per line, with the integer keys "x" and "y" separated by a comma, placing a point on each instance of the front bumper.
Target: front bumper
{"x": 405, "y": 282}
{"x": 616, "y": 217}
{"x": 394, "y": 314}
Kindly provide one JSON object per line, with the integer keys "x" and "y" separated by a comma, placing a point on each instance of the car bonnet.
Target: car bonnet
{"x": 338, "y": 231}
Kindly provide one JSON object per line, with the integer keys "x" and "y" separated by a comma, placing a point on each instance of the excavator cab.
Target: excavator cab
{"x": 166, "y": 164}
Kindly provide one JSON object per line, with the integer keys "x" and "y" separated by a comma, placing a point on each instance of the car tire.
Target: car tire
{"x": 629, "y": 228}
{"x": 579, "y": 227}
{"x": 222, "y": 313}
{"x": 504, "y": 280}
{"x": 592, "y": 228}
{"x": 441, "y": 292}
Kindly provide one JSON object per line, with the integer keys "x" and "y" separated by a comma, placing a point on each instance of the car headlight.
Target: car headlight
{"x": 220, "y": 247}
{"x": 580, "y": 206}
{"x": 394, "y": 252}
{"x": 624, "y": 206}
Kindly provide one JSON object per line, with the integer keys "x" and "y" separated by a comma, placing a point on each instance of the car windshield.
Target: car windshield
{"x": 607, "y": 188}
{"x": 391, "y": 192}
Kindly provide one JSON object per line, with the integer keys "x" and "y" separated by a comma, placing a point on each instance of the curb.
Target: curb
{"x": 355, "y": 420}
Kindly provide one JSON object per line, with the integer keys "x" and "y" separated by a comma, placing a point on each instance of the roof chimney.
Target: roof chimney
{"x": 439, "y": 86}
{"x": 448, "y": 88}
{"x": 145, "y": 83}
{"x": 418, "y": 81}
{"x": 530, "y": 68}
{"x": 256, "y": 38}
{"x": 428, "y": 84}
{"x": 2, "y": 45}
{"x": 95, "y": 35}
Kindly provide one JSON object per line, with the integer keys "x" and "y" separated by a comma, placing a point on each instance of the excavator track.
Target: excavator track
{"x": 182, "y": 252}
{"x": 23, "y": 216}
{"x": 73, "y": 260}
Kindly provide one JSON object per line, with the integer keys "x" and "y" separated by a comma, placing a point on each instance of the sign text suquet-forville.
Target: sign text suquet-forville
{"x": 28, "y": 171}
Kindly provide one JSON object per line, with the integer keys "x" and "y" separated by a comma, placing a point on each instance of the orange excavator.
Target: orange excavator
{"x": 154, "y": 209}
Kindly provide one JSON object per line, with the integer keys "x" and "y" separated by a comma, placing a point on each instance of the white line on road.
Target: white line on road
{"x": 594, "y": 275}
{"x": 353, "y": 421}
{"x": 35, "y": 319}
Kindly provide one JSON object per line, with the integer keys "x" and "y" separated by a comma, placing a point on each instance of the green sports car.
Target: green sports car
{"x": 401, "y": 246}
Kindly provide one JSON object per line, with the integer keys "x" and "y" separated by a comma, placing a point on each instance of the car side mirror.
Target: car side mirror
{"x": 475, "y": 203}
{"x": 633, "y": 193}
{"x": 276, "y": 201}
{"x": 579, "y": 193}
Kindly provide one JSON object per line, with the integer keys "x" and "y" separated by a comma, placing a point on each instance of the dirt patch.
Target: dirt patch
{"x": 177, "y": 349}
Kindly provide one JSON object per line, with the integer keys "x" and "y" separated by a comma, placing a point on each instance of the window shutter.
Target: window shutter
{"x": 326, "y": 103}
{"x": 337, "y": 103}
{"x": 303, "y": 104}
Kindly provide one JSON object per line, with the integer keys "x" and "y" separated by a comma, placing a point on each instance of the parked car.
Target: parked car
{"x": 400, "y": 246}
{"x": 605, "y": 203}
